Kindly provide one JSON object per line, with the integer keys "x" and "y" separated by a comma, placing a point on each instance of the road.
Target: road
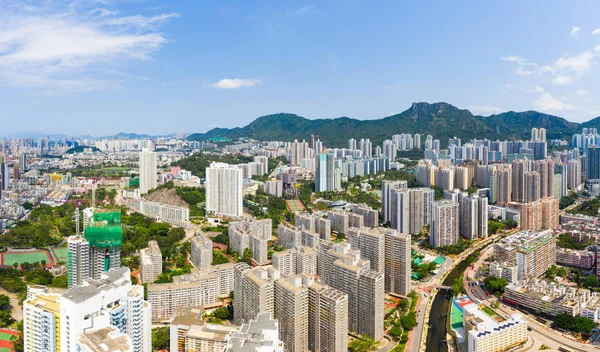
{"x": 417, "y": 333}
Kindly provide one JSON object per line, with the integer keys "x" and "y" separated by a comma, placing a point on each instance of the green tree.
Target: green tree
{"x": 363, "y": 343}
{"x": 458, "y": 287}
{"x": 590, "y": 281}
{"x": 247, "y": 256}
{"x": 409, "y": 321}
{"x": 4, "y": 302}
{"x": 221, "y": 313}
{"x": 160, "y": 338}
{"x": 496, "y": 285}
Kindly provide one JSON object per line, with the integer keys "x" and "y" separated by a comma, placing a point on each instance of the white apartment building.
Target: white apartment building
{"x": 41, "y": 323}
{"x": 484, "y": 334}
{"x": 444, "y": 224}
{"x": 150, "y": 262}
{"x": 170, "y": 214}
{"x": 202, "y": 252}
{"x": 148, "y": 174}
{"x": 56, "y": 322}
{"x": 194, "y": 290}
{"x": 79, "y": 260}
{"x": 397, "y": 262}
{"x": 224, "y": 190}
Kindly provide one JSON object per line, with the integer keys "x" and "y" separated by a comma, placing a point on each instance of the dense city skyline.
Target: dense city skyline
{"x": 131, "y": 66}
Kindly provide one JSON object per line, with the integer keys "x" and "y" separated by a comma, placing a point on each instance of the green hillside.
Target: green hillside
{"x": 441, "y": 120}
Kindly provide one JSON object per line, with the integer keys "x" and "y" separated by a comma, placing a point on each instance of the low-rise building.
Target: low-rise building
{"x": 260, "y": 334}
{"x": 574, "y": 258}
{"x": 194, "y": 290}
{"x": 504, "y": 270}
{"x": 189, "y": 332}
{"x": 485, "y": 334}
{"x": 547, "y": 297}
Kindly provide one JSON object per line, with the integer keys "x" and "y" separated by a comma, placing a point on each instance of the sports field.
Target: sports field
{"x": 295, "y": 205}
{"x": 61, "y": 254}
{"x": 16, "y": 258}
{"x": 5, "y": 343}
{"x": 457, "y": 312}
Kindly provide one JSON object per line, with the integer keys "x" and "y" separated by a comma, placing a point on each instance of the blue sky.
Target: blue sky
{"x": 107, "y": 66}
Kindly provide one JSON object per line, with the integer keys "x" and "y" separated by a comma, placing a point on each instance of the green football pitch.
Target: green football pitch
{"x": 16, "y": 258}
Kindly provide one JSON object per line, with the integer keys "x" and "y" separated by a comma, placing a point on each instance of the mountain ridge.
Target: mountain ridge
{"x": 442, "y": 120}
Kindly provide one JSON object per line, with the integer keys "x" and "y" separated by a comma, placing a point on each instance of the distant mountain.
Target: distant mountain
{"x": 440, "y": 120}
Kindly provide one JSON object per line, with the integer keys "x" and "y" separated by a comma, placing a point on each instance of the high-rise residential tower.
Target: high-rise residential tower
{"x": 444, "y": 223}
{"x": 148, "y": 174}
{"x": 224, "y": 190}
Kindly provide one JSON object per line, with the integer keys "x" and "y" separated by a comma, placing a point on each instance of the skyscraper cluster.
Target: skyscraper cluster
{"x": 309, "y": 313}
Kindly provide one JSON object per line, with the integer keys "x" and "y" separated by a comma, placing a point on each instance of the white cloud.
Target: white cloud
{"x": 560, "y": 80}
{"x": 102, "y": 12}
{"x": 142, "y": 22}
{"x": 582, "y": 92}
{"x": 235, "y": 83}
{"x": 72, "y": 49}
{"x": 578, "y": 63}
{"x": 596, "y": 31}
{"x": 484, "y": 110}
{"x": 575, "y": 31}
{"x": 548, "y": 103}
{"x": 306, "y": 10}
{"x": 538, "y": 89}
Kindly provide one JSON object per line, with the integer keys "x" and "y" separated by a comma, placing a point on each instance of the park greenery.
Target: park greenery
{"x": 265, "y": 206}
{"x": 578, "y": 324}
{"x": 568, "y": 200}
{"x": 554, "y": 271}
{"x": 457, "y": 248}
{"x": 106, "y": 170}
{"x": 496, "y": 285}
{"x": 5, "y": 317}
{"x": 139, "y": 229}
{"x": 197, "y": 163}
{"x": 219, "y": 258}
{"x": 423, "y": 269}
{"x": 589, "y": 207}
{"x": 402, "y": 319}
{"x": 46, "y": 226}
{"x": 220, "y": 314}
{"x": 566, "y": 241}
{"x": 363, "y": 343}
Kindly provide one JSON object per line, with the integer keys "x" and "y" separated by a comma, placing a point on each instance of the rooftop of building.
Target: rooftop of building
{"x": 46, "y": 301}
{"x": 534, "y": 243}
{"x": 487, "y": 325}
{"x": 187, "y": 316}
{"x": 110, "y": 279}
{"x": 214, "y": 332}
{"x": 593, "y": 303}
{"x": 252, "y": 337}
{"x": 108, "y": 339}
